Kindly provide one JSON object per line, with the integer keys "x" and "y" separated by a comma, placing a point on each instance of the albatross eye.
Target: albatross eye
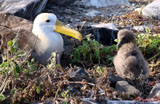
{"x": 47, "y": 20}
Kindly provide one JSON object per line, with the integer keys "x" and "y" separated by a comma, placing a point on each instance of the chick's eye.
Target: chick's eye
{"x": 47, "y": 20}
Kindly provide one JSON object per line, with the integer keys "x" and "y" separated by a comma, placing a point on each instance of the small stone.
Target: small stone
{"x": 155, "y": 92}
{"x": 124, "y": 86}
{"x": 113, "y": 80}
{"x": 139, "y": 10}
{"x": 139, "y": 28}
{"x": 152, "y": 10}
{"x": 79, "y": 75}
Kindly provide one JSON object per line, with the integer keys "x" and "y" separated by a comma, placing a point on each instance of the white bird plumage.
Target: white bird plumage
{"x": 44, "y": 27}
{"x": 49, "y": 39}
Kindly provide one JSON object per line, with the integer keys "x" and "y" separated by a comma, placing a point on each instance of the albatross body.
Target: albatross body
{"x": 47, "y": 29}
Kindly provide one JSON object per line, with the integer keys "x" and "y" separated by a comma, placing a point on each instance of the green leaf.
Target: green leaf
{"x": 4, "y": 64}
{"x": 38, "y": 89}
{"x": 2, "y": 97}
{"x": 147, "y": 30}
{"x": 16, "y": 70}
{"x": 20, "y": 54}
{"x": 10, "y": 43}
{"x": 13, "y": 90}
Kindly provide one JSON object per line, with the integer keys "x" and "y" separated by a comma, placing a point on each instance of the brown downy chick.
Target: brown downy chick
{"x": 129, "y": 61}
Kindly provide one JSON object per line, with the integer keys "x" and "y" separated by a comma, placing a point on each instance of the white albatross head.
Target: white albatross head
{"x": 45, "y": 23}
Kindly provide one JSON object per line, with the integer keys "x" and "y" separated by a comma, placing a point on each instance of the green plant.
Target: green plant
{"x": 38, "y": 89}
{"x": 2, "y": 97}
{"x": 14, "y": 63}
{"x": 92, "y": 52}
{"x": 65, "y": 95}
{"x": 99, "y": 70}
{"x": 149, "y": 44}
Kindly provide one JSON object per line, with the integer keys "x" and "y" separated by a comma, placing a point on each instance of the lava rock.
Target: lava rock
{"x": 10, "y": 27}
{"x": 105, "y": 33}
{"x": 113, "y": 80}
{"x": 79, "y": 75}
{"x": 22, "y": 8}
{"x": 101, "y": 33}
{"x": 104, "y": 3}
{"x": 124, "y": 86}
{"x": 14, "y": 22}
{"x": 152, "y": 10}
{"x": 107, "y": 25}
{"x": 155, "y": 92}
{"x": 75, "y": 89}
{"x": 105, "y": 36}
{"x": 62, "y": 2}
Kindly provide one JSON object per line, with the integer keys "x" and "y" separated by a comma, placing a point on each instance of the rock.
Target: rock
{"x": 113, "y": 80}
{"x": 139, "y": 10}
{"x": 92, "y": 13}
{"x": 79, "y": 75}
{"x": 139, "y": 28}
{"x": 155, "y": 29}
{"x": 101, "y": 33}
{"x": 152, "y": 10}
{"x": 14, "y": 22}
{"x": 124, "y": 86}
{"x": 104, "y": 3}
{"x": 105, "y": 35}
{"x": 10, "y": 27}
{"x": 22, "y": 8}
{"x": 62, "y": 2}
{"x": 155, "y": 92}
{"x": 107, "y": 25}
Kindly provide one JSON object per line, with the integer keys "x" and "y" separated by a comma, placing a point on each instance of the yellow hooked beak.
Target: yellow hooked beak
{"x": 59, "y": 27}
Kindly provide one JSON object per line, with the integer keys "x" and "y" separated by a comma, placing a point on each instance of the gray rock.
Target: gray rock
{"x": 80, "y": 74}
{"x": 124, "y": 86}
{"x": 62, "y": 2}
{"x": 152, "y": 10}
{"x": 104, "y": 3}
{"x": 22, "y": 8}
{"x": 113, "y": 80}
{"x": 155, "y": 91}
{"x": 92, "y": 13}
{"x": 106, "y": 25}
{"x": 103, "y": 33}
{"x": 129, "y": 102}
{"x": 140, "y": 28}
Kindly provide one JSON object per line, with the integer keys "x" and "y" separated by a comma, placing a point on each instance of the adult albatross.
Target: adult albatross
{"x": 47, "y": 29}
{"x": 42, "y": 37}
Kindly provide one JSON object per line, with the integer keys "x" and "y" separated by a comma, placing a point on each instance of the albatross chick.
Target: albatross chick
{"x": 129, "y": 61}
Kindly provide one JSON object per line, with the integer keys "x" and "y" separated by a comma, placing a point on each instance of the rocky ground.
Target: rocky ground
{"x": 82, "y": 83}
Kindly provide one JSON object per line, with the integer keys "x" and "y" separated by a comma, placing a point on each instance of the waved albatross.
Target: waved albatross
{"x": 44, "y": 39}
